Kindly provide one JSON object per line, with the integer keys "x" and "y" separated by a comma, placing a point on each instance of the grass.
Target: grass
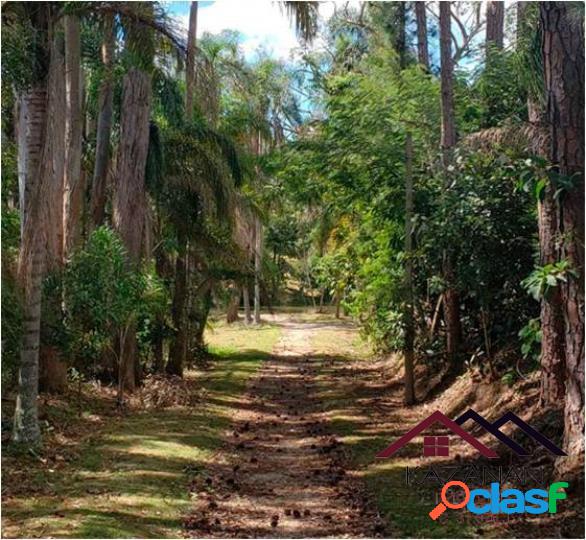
{"x": 130, "y": 479}
{"x": 405, "y": 513}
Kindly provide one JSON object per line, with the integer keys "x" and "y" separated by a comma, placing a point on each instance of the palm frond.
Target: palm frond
{"x": 304, "y": 15}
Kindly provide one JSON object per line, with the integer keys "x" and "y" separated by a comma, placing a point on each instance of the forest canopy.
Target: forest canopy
{"x": 414, "y": 167}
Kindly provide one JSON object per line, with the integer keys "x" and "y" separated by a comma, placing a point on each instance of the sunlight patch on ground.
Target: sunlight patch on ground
{"x": 132, "y": 479}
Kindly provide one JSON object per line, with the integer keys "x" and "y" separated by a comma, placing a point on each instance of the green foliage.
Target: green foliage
{"x": 541, "y": 281}
{"x": 104, "y": 295}
{"x": 530, "y": 336}
{"x": 12, "y": 327}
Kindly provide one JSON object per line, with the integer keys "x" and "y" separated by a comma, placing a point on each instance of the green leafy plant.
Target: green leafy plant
{"x": 539, "y": 283}
{"x": 530, "y": 337}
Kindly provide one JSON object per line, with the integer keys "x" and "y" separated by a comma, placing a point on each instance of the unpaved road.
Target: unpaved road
{"x": 282, "y": 472}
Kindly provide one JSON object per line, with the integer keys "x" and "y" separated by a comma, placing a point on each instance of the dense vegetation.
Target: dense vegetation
{"x": 427, "y": 182}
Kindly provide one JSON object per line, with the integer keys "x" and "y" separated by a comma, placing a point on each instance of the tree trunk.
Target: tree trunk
{"x": 34, "y": 169}
{"x": 207, "y": 304}
{"x": 400, "y": 40}
{"x": 408, "y": 349}
{"x": 73, "y": 189}
{"x": 257, "y": 269}
{"x": 563, "y": 65}
{"x": 495, "y": 23}
{"x": 246, "y": 300}
{"x": 33, "y": 119}
{"x": 178, "y": 349}
{"x": 190, "y": 61}
{"x": 33, "y": 123}
{"x": 31, "y": 136}
{"x": 104, "y": 129}
{"x": 552, "y": 318}
{"x": 130, "y": 196}
{"x": 448, "y": 135}
{"x": 553, "y": 347}
{"x": 26, "y": 423}
{"x": 448, "y": 141}
{"x": 422, "y": 48}
{"x": 233, "y": 303}
{"x": 320, "y": 308}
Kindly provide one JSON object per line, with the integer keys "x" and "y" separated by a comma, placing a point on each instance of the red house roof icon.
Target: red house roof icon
{"x": 432, "y": 419}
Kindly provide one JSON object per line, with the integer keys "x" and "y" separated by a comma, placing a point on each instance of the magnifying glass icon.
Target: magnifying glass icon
{"x": 445, "y": 504}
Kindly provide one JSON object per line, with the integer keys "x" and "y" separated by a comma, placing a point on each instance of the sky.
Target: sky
{"x": 262, "y": 23}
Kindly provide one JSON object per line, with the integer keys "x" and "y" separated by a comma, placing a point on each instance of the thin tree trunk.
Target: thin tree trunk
{"x": 400, "y": 40}
{"x": 178, "y": 350}
{"x": 246, "y": 301}
{"x": 73, "y": 189}
{"x": 553, "y": 346}
{"x": 104, "y": 129}
{"x": 448, "y": 141}
{"x": 320, "y": 309}
{"x": 422, "y": 47}
{"x": 563, "y": 64}
{"x": 257, "y": 269}
{"x": 495, "y": 23}
{"x": 207, "y": 304}
{"x": 408, "y": 350}
{"x": 190, "y": 61}
{"x": 130, "y": 196}
{"x": 233, "y": 304}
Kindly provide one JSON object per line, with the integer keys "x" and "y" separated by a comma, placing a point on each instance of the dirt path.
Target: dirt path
{"x": 282, "y": 472}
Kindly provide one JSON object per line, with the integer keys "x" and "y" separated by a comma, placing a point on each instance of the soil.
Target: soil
{"x": 282, "y": 472}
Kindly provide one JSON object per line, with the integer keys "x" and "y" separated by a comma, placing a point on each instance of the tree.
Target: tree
{"x": 408, "y": 348}
{"x": 495, "y": 21}
{"x": 448, "y": 141}
{"x": 33, "y": 172}
{"x": 73, "y": 189}
{"x": 190, "y": 60}
{"x": 562, "y": 48}
{"x": 422, "y": 48}
{"x": 178, "y": 349}
{"x": 104, "y": 128}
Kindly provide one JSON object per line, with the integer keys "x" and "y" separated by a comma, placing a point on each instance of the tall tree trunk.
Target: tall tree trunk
{"x": 563, "y": 65}
{"x": 408, "y": 349}
{"x": 552, "y": 318}
{"x": 400, "y": 40}
{"x": 257, "y": 268}
{"x": 178, "y": 350}
{"x": 553, "y": 346}
{"x": 448, "y": 141}
{"x": 495, "y": 23}
{"x": 130, "y": 196}
{"x": 104, "y": 129}
{"x": 34, "y": 171}
{"x": 190, "y": 61}
{"x": 73, "y": 189}
{"x": 246, "y": 301}
{"x": 32, "y": 131}
{"x": 422, "y": 48}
